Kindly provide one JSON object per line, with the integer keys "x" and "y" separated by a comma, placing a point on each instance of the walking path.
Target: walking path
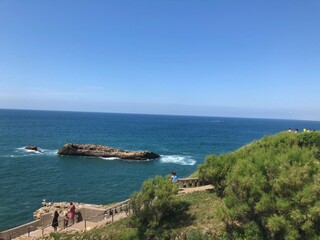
{"x": 80, "y": 226}
{"x": 88, "y": 225}
{"x": 195, "y": 189}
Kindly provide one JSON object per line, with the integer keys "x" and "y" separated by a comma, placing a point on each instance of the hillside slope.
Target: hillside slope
{"x": 268, "y": 189}
{"x": 271, "y": 187}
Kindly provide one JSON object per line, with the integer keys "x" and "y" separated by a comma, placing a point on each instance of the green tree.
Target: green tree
{"x": 271, "y": 188}
{"x": 154, "y": 208}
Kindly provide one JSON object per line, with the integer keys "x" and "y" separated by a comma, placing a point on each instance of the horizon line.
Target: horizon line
{"x": 155, "y": 114}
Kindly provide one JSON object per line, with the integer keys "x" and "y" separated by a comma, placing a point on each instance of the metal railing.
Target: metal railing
{"x": 107, "y": 213}
{"x": 60, "y": 222}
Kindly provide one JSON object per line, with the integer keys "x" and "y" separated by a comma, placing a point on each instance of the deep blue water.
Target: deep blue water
{"x": 183, "y": 142}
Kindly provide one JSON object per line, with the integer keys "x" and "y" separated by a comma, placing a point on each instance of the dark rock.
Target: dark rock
{"x": 104, "y": 151}
{"x": 33, "y": 148}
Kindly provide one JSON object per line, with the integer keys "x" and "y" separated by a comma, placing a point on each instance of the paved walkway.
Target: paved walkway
{"x": 195, "y": 189}
{"x": 88, "y": 225}
{"x": 80, "y": 226}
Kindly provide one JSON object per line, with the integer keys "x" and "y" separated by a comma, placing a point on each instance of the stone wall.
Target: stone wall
{"x": 188, "y": 182}
{"x": 90, "y": 213}
{"x": 20, "y": 230}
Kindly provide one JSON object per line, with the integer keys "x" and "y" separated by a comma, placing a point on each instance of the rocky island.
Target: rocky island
{"x": 95, "y": 150}
{"x": 33, "y": 148}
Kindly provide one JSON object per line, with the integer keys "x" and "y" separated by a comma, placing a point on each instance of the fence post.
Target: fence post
{"x": 85, "y": 224}
{"x": 28, "y": 231}
{"x": 112, "y": 215}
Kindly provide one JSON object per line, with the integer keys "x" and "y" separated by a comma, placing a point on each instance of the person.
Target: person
{"x": 44, "y": 203}
{"x": 55, "y": 221}
{"x": 174, "y": 177}
{"x": 65, "y": 220}
{"x": 72, "y": 212}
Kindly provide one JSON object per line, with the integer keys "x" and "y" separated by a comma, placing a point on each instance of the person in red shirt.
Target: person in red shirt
{"x": 72, "y": 212}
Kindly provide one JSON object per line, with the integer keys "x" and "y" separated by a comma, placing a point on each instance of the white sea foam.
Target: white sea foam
{"x": 15, "y": 156}
{"x": 42, "y": 151}
{"x": 110, "y": 158}
{"x": 49, "y": 152}
{"x": 28, "y": 150}
{"x": 126, "y": 160}
{"x": 177, "y": 159}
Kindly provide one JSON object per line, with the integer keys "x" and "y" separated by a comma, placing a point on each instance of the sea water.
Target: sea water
{"x": 27, "y": 177}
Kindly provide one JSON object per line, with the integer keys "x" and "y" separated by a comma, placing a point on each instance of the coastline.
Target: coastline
{"x": 183, "y": 143}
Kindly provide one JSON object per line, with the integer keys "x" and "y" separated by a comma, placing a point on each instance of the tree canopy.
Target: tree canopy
{"x": 271, "y": 187}
{"x": 155, "y": 207}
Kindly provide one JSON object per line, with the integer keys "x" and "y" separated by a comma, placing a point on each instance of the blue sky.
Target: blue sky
{"x": 213, "y": 58}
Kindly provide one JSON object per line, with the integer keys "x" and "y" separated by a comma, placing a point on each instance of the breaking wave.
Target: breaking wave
{"x": 178, "y": 159}
{"x": 110, "y": 158}
{"x": 42, "y": 152}
{"x": 126, "y": 160}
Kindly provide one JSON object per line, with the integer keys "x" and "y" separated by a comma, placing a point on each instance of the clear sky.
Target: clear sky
{"x": 209, "y": 57}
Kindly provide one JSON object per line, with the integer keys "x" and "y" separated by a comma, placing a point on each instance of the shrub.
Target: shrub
{"x": 154, "y": 208}
{"x": 271, "y": 188}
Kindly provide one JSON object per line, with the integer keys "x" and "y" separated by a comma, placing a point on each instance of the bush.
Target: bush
{"x": 154, "y": 208}
{"x": 271, "y": 188}
{"x": 215, "y": 170}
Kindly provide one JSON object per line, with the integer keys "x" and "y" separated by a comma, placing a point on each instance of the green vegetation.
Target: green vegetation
{"x": 156, "y": 209}
{"x": 269, "y": 189}
{"x": 199, "y": 221}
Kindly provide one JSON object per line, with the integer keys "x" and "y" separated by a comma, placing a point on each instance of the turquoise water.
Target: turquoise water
{"x": 182, "y": 141}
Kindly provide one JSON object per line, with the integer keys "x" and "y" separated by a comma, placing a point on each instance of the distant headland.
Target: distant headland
{"x": 95, "y": 150}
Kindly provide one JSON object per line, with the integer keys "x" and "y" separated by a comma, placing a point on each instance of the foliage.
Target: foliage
{"x": 215, "y": 170}
{"x": 204, "y": 222}
{"x": 194, "y": 174}
{"x": 155, "y": 208}
{"x": 200, "y": 221}
{"x": 271, "y": 188}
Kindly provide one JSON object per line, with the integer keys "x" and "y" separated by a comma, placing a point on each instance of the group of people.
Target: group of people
{"x": 297, "y": 130}
{"x": 68, "y": 216}
{"x": 72, "y": 211}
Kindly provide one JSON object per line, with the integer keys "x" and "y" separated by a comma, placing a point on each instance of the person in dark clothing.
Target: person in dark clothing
{"x": 55, "y": 221}
{"x": 65, "y": 220}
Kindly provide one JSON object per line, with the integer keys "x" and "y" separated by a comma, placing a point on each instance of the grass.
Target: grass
{"x": 203, "y": 208}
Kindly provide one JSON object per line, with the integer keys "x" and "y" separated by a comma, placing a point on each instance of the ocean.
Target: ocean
{"x": 27, "y": 177}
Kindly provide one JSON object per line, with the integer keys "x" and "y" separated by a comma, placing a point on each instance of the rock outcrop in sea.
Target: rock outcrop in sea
{"x": 33, "y": 148}
{"x": 104, "y": 151}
